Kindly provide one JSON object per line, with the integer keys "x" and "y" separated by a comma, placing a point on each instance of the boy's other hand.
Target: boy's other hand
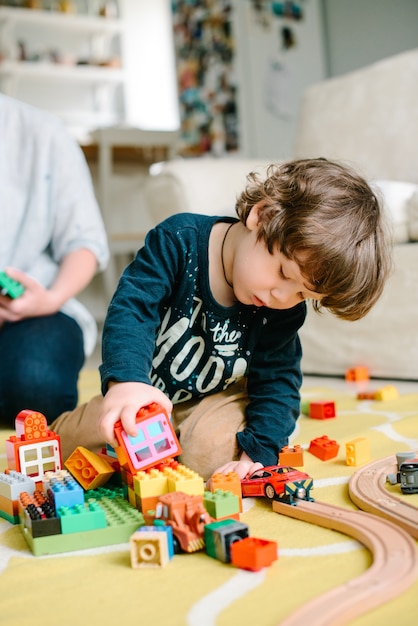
{"x": 243, "y": 468}
{"x": 123, "y": 401}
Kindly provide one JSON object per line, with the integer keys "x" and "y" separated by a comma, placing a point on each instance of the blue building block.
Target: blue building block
{"x": 64, "y": 489}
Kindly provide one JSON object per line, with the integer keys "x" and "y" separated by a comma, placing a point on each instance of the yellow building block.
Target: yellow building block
{"x": 132, "y": 498}
{"x": 148, "y": 484}
{"x": 149, "y": 549}
{"x": 357, "y": 451}
{"x": 184, "y": 479}
{"x": 89, "y": 469}
{"x": 388, "y": 392}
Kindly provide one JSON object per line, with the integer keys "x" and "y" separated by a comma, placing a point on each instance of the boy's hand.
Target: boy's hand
{"x": 123, "y": 401}
{"x": 243, "y": 468}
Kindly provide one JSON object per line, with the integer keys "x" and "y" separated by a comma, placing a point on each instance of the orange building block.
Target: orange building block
{"x": 228, "y": 482}
{"x": 89, "y": 469}
{"x": 355, "y": 374}
{"x": 146, "y": 504}
{"x": 322, "y": 410}
{"x": 366, "y": 395}
{"x": 324, "y": 448}
{"x": 253, "y": 554}
{"x": 291, "y": 456}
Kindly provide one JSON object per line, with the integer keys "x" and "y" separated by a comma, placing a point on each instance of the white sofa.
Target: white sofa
{"x": 367, "y": 119}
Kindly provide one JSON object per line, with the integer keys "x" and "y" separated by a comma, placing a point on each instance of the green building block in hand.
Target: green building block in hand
{"x": 10, "y": 287}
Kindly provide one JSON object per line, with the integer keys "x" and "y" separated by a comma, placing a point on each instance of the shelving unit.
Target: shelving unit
{"x": 76, "y": 21}
{"x": 47, "y": 71}
{"x": 67, "y": 63}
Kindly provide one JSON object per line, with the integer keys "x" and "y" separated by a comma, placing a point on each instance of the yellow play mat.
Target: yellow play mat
{"x": 99, "y": 586}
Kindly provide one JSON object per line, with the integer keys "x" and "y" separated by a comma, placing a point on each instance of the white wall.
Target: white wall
{"x": 334, "y": 37}
{"x": 359, "y": 32}
{"x": 271, "y": 79}
{"x": 148, "y": 52}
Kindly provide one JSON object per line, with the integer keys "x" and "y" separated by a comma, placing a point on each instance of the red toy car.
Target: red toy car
{"x": 277, "y": 481}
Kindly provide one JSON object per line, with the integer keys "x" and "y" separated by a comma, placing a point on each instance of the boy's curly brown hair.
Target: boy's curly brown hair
{"x": 324, "y": 216}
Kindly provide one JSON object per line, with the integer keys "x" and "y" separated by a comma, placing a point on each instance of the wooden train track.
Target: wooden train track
{"x": 393, "y": 570}
{"x": 367, "y": 490}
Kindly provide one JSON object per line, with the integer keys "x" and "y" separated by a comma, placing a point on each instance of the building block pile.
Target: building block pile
{"x": 137, "y": 493}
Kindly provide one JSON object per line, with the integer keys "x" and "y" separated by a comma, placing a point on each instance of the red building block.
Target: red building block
{"x": 253, "y": 554}
{"x": 154, "y": 442}
{"x": 324, "y": 448}
{"x": 322, "y": 410}
{"x": 34, "y": 449}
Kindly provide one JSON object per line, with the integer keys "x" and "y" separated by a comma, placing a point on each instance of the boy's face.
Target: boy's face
{"x": 264, "y": 279}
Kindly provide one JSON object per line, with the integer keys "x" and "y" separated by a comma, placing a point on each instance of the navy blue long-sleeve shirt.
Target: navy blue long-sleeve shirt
{"x": 165, "y": 328}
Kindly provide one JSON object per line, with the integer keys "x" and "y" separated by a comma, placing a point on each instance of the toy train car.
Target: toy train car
{"x": 408, "y": 476}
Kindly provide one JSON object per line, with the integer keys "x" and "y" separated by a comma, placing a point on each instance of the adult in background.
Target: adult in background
{"x": 52, "y": 240}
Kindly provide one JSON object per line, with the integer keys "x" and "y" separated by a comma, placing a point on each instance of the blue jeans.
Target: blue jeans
{"x": 40, "y": 360}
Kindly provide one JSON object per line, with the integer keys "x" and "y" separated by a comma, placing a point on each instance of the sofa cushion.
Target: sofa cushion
{"x": 385, "y": 341}
{"x": 209, "y": 186}
{"x": 412, "y": 210}
{"x": 367, "y": 118}
{"x": 400, "y": 200}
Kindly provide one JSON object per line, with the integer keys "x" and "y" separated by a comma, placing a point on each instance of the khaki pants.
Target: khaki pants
{"x": 206, "y": 428}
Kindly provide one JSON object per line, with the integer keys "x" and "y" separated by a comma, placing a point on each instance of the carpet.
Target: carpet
{"x": 99, "y": 586}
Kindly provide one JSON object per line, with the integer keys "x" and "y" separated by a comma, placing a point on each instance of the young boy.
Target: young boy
{"x": 205, "y": 320}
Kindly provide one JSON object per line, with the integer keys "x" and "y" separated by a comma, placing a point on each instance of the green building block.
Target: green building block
{"x": 221, "y": 503}
{"x": 10, "y": 287}
{"x": 89, "y": 516}
{"x": 304, "y": 407}
{"x": 13, "y": 519}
